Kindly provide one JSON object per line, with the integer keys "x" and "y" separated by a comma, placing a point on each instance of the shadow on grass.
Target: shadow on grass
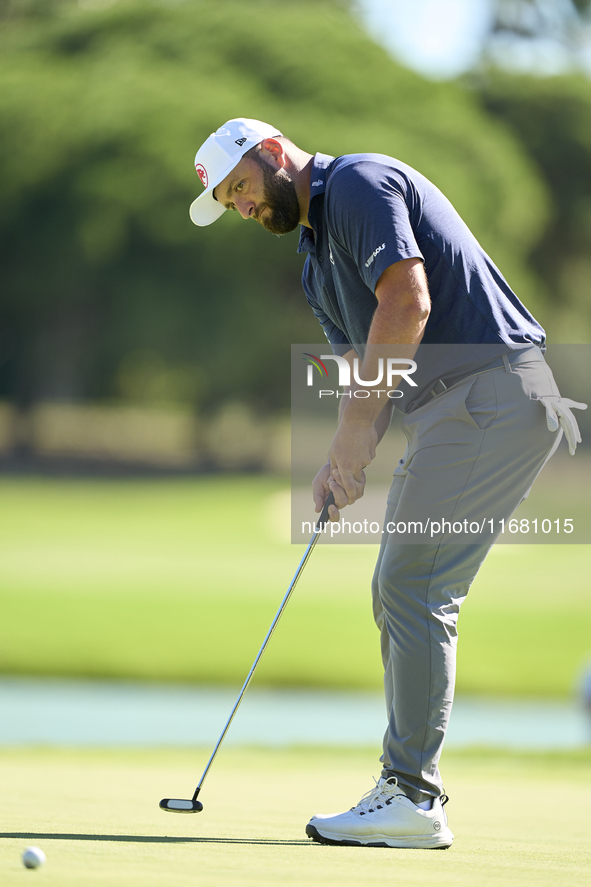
{"x": 148, "y": 839}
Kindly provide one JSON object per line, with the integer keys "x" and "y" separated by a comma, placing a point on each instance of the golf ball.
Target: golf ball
{"x": 33, "y": 857}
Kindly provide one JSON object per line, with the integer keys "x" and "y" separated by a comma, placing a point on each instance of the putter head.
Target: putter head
{"x": 178, "y": 805}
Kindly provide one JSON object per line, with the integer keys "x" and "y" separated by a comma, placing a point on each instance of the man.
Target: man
{"x": 391, "y": 268}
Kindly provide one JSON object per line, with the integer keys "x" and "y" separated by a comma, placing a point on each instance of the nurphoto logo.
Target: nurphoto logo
{"x": 389, "y": 369}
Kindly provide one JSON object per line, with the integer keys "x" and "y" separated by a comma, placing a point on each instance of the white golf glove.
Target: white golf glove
{"x": 558, "y": 413}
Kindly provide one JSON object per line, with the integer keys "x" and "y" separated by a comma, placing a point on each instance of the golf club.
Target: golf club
{"x": 180, "y": 805}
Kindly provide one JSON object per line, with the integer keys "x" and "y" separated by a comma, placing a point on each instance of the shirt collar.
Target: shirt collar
{"x": 320, "y": 164}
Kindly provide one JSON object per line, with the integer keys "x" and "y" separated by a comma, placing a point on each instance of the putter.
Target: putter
{"x": 180, "y": 805}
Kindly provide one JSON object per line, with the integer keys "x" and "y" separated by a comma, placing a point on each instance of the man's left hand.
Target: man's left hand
{"x": 353, "y": 448}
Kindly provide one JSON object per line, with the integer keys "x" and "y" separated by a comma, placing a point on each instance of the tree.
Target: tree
{"x": 551, "y": 117}
{"x": 541, "y": 35}
{"x": 101, "y": 110}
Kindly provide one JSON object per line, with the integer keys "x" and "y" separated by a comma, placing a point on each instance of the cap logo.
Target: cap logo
{"x": 202, "y": 173}
{"x": 240, "y": 142}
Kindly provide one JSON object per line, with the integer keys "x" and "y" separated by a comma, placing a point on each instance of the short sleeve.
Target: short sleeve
{"x": 369, "y": 215}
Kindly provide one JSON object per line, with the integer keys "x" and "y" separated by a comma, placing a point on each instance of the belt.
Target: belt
{"x": 504, "y": 361}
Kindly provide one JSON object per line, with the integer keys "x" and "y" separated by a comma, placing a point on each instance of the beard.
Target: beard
{"x": 280, "y": 197}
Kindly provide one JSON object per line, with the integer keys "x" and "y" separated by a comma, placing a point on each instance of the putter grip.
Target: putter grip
{"x": 324, "y": 513}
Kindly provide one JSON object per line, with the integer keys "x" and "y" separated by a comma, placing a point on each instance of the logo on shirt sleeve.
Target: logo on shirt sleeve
{"x": 374, "y": 254}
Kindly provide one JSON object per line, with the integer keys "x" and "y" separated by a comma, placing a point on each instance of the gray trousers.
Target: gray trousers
{"x": 473, "y": 453}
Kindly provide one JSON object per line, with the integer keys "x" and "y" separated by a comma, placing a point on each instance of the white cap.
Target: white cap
{"x": 218, "y": 156}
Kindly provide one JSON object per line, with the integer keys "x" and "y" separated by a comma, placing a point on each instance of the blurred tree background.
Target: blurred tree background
{"x": 110, "y": 295}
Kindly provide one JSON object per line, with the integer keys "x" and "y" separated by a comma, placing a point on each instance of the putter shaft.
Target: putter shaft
{"x": 317, "y": 531}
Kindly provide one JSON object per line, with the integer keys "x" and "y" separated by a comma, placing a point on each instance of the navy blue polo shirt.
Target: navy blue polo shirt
{"x": 368, "y": 211}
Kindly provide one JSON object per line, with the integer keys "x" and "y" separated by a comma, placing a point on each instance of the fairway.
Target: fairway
{"x": 517, "y": 819}
{"x": 179, "y": 580}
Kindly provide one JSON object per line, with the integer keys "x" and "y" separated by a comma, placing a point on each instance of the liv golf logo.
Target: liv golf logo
{"x": 389, "y": 369}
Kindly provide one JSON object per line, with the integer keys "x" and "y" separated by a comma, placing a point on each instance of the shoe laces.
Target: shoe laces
{"x": 381, "y": 795}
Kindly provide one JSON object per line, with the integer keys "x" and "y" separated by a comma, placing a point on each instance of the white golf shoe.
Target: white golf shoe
{"x": 385, "y": 817}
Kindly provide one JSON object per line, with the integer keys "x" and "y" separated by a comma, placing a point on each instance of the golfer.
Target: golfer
{"x": 393, "y": 274}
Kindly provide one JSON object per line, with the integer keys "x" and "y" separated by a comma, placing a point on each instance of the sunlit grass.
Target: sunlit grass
{"x": 95, "y": 814}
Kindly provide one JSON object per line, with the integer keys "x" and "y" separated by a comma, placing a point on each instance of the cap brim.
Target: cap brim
{"x": 206, "y": 209}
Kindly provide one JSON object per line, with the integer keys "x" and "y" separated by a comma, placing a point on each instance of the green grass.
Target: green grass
{"x": 179, "y": 580}
{"x": 518, "y": 820}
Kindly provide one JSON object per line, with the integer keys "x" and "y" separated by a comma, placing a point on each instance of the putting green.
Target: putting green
{"x": 518, "y": 820}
